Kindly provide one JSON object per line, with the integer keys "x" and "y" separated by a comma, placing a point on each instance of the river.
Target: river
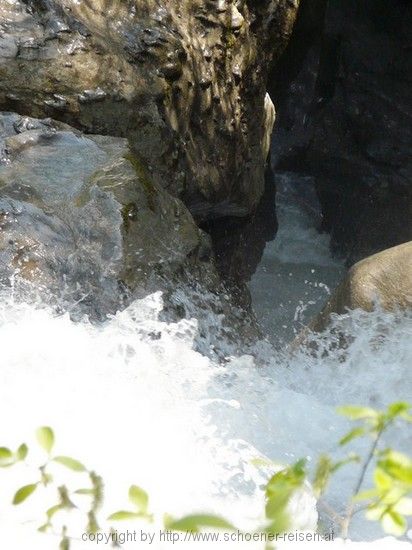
{"x": 132, "y": 399}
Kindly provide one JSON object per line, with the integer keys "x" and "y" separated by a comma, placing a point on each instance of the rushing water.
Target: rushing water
{"x": 297, "y": 272}
{"x": 133, "y": 400}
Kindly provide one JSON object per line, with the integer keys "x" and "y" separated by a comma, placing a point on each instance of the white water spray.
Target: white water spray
{"x": 134, "y": 401}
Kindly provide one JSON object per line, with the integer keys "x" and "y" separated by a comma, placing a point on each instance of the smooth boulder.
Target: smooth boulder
{"x": 383, "y": 280}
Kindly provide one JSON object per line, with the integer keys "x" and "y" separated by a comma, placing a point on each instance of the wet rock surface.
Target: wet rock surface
{"x": 81, "y": 223}
{"x": 239, "y": 244}
{"x": 383, "y": 280}
{"x": 345, "y": 117}
{"x": 183, "y": 80}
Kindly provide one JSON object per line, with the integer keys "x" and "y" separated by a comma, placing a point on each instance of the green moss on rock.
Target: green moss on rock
{"x": 145, "y": 179}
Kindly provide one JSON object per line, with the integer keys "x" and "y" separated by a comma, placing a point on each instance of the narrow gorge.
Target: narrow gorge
{"x": 205, "y": 250}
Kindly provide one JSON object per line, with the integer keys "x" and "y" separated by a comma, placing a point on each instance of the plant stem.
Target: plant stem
{"x": 334, "y": 516}
{"x": 351, "y": 506}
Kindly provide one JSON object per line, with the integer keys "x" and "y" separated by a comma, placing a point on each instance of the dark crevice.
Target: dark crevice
{"x": 239, "y": 243}
{"x": 344, "y": 108}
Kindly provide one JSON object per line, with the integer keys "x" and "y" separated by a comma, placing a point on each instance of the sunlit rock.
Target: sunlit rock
{"x": 82, "y": 220}
{"x": 183, "y": 80}
{"x": 383, "y": 280}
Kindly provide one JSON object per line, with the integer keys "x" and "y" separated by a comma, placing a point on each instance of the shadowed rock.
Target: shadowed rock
{"x": 343, "y": 96}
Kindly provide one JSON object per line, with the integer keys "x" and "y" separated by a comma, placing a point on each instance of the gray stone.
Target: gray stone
{"x": 83, "y": 225}
{"x": 383, "y": 280}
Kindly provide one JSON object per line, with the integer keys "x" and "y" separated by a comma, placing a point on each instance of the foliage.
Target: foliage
{"x": 140, "y": 500}
{"x": 388, "y": 501}
{"x": 46, "y": 440}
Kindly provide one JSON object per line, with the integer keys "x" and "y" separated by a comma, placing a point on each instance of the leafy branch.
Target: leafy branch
{"x": 388, "y": 501}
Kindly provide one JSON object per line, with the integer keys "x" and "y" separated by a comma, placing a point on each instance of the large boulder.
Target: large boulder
{"x": 82, "y": 223}
{"x": 382, "y": 280}
{"x": 184, "y": 80}
{"x": 344, "y": 104}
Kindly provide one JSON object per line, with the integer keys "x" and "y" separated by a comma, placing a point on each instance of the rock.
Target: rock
{"x": 270, "y": 117}
{"x": 184, "y": 80}
{"x": 239, "y": 244}
{"x": 384, "y": 280}
{"x": 85, "y": 228}
{"x": 342, "y": 92}
{"x": 82, "y": 223}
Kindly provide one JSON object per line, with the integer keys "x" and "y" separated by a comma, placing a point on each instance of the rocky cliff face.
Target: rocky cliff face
{"x": 184, "y": 80}
{"x": 343, "y": 92}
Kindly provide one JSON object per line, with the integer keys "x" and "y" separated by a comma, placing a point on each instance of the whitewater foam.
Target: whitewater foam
{"x": 134, "y": 401}
{"x": 175, "y": 408}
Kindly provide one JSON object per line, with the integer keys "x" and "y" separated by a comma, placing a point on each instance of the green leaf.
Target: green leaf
{"x": 382, "y": 481}
{"x": 23, "y": 493}
{"x": 85, "y": 492}
{"x": 197, "y": 522}
{"x": 404, "y": 506}
{"x": 279, "y": 525}
{"x": 355, "y": 412}
{"x": 45, "y": 437}
{"x": 366, "y": 495}
{"x": 298, "y": 470}
{"x": 293, "y": 476}
{"x": 261, "y": 462}
{"x": 139, "y": 498}
{"x": 375, "y": 512}
{"x": 397, "y": 409}
{"x": 123, "y": 515}
{"x": 70, "y": 463}
{"x": 352, "y": 457}
{"x": 6, "y": 457}
{"x": 322, "y": 474}
{"x": 281, "y": 487}
{"x": 64, "y": 543}
{"x": 53, "y": 510}
{"x": 356, "y": 432}
{"x": 397, "y": 465}
{"x": 406, "y": 416}
{"x": 391, "y": 497}
{"x": 393, "y": 523}
{"x": 22, "y": 452}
